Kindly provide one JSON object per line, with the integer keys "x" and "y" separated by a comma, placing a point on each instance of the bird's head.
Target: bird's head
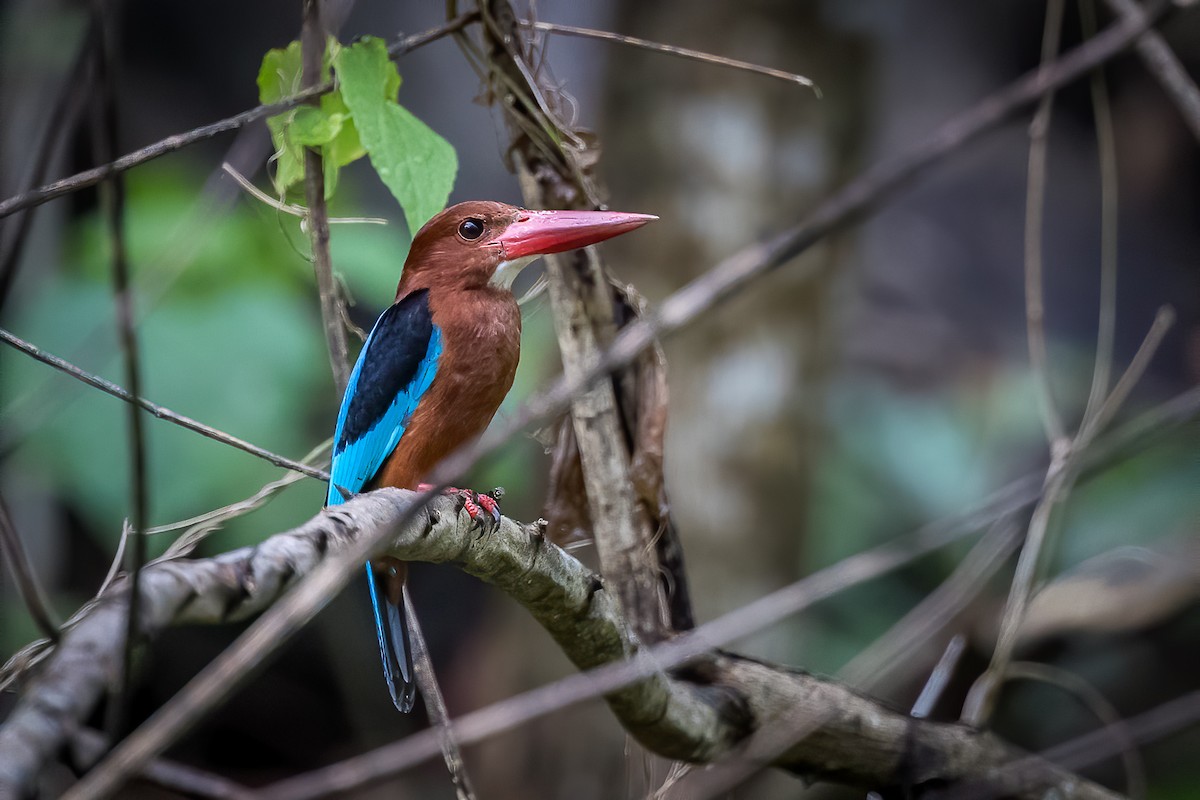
{"x": 481, "y": 243}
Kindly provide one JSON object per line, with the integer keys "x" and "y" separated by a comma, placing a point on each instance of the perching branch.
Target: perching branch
{"x": 698, "y": 713}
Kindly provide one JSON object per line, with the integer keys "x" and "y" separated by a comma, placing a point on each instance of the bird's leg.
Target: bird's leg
{"x": 482, "y": 508}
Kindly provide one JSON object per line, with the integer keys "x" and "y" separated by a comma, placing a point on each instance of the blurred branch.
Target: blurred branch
{"x": 698, "y": 713}
{"x": 24, "y": 576}
{"x": 1106, "y": 146}
{"x": 1035, "y": 207}
{"x": 681, "y": 52}
{"x": 940, "y": 677}
{"x": 112, "y": 194}
{"x": 312, "y": 46}
{"x": 847, "y": 205}
{"x": 88, "y": 747}
{"x": 1170, "y": 717}
{"x": 42, "y": 194}
{"x": 72, "y": 99}
{"x": 435, "y": 704}
{"x": 1164, "y": 65}
{"x": 161, "y": 412}
{"x": 910, "y": 636}
{"x": 1098, "y": 704}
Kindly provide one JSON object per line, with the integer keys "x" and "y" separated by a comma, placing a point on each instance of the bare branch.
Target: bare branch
{"x": 1164, "y": 65}
{"x": 312, "y": 44}
{"x": 1098, "y": 704}
{"x": 682, "y": 52}
{"x": 847, "y": 205}
{"x": 91, "y": 177}
{"x": 72, "y": 99}
{"x": 1106, "y": 146}
{"x": 1157, "y": 723}
{"x": 910, "y": 636}
{"x": 161, "y": 412}
{"x": 104, "y": 138}
{"x": 24, "y": 576}
{"x": 676, "y": 713}
{"x": 68, "y": 694}
{"x": 435, "y": 704}
{"x": 89, "y": 746}
{"x": 1035, "y": 202}
{"x": 943, "y": 671}
{"x": 1163, "y": 321}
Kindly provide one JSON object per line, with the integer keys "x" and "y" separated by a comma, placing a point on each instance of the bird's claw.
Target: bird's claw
{"x": 483, "y": 509}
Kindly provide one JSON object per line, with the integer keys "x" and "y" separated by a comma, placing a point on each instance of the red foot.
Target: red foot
{"x": 479, "y": 507}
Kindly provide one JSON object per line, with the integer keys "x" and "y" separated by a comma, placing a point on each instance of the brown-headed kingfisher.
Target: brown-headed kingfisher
{"x": 435, "y": 368}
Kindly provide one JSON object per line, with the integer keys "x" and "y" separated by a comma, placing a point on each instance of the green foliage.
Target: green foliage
{"x": 359, "y": 117}
{"x": 416, "y": 164}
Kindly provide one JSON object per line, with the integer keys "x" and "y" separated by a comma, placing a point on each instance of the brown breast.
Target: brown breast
{"x": 481, "y": 344}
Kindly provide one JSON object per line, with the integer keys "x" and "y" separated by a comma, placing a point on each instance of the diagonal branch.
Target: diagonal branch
{"x": 69, "y": 686}
{"x": 697, "y": 713}
{"x": 161, "y": 412}
{"x": 1164, "y": 65}
{"x": 23, "y": 575}
{"x": 82, "y": 180}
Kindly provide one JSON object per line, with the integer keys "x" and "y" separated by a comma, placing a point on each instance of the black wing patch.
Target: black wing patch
{"x": 391, "y": 359}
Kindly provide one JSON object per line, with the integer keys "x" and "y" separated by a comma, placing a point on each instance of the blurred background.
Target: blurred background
{"x": 810, "y": 418}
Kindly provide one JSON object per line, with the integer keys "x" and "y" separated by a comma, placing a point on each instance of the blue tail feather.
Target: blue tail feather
{"x": 395, "y": 650}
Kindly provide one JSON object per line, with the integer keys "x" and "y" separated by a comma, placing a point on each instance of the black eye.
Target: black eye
{"x": 470, "y": 228}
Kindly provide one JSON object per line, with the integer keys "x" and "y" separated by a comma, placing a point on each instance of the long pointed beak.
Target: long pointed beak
{"x": 539, "y": 233}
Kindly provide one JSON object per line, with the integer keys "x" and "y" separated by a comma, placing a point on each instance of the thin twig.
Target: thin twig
{"x": 312, "y": 46}
{"x": 161, "y": 412}
{"x": 1165, "y": 66}
{"x": 90, "y": 745}
{"x": 91, "y": 177}
{"x": 909, "y": 636}
{"x": 288, "y": 208}
{"x": 113, "y": 196}
{"x": 23, "y": 575}
{"x": 1035, "y": 205}
{"x": 1163, "y": 321}
{"x": 1157, "y": 723}
{"x": 72, "y": 99}
{"x": 981, "y": 699}
{"x": 435, "y": 704}
{"x": 940, "y": 677}
{"x": 1106, "y": 146}
{"x": 682, "y": 52}
{"x": 1098, "y": 704}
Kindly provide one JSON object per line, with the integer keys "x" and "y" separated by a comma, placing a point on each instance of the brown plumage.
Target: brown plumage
{"x": 439, "y": 363}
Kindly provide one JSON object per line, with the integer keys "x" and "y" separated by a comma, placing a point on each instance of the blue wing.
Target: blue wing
{"x": 393, "y": 371}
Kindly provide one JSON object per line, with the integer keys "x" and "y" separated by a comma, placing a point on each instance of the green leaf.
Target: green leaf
{"x": 416, "y": 164}
{"x": 327, "y": 126}
{"x": 313, "y": 127}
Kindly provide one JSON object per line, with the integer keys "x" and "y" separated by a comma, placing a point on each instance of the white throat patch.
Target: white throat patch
{"x": 508, "y": 271}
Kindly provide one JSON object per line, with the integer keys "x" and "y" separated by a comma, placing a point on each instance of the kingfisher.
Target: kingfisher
{"x": 435, "y": 368}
